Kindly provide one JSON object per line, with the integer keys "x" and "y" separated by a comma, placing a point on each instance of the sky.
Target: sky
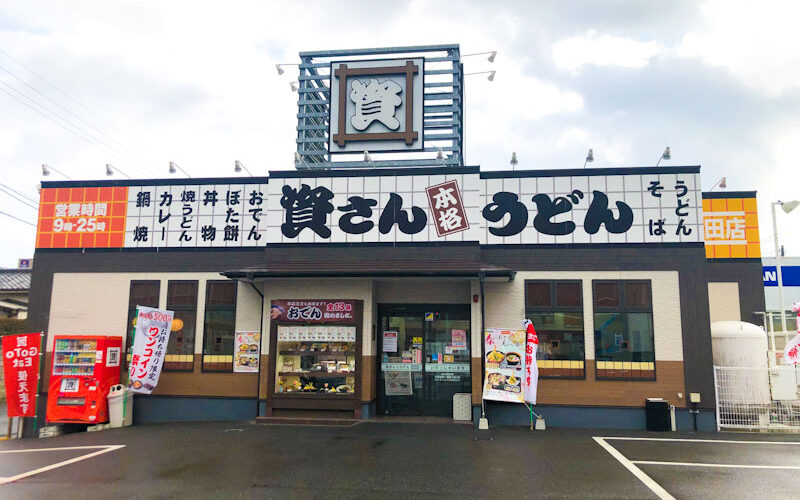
{"x": 140, "y": 84}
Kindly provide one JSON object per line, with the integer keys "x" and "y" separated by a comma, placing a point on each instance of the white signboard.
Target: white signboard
{"x": 205, "y": 215}
{"x": 373, "y": 209}
{"x": 376, "y": 105}
{"x": 149, "y": 348}
{"x": 629, "y": 206}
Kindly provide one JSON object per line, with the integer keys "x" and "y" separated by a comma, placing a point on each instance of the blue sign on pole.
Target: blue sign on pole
{"x": 790, "y": 275}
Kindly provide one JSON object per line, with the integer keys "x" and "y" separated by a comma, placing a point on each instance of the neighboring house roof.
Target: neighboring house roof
{"x": 15, "y": 280}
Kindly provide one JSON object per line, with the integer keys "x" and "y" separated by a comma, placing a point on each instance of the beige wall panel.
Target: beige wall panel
{"x": 97, "y": 303}
{"x": 422, "y": 291}
{"x": 723, "y": 302}
{"x": 505, "y": 305}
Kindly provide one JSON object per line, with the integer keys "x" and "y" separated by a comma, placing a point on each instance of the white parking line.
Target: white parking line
{"x": 631, "y": 465}
{"x": 636, "y": 471}
{"x": 735, "y": 466}
{"x": 104, "y": 449}
{"x": 689, "y": 440}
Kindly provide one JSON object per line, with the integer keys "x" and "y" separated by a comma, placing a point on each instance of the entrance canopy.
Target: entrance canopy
{"x": 372, "y": 268}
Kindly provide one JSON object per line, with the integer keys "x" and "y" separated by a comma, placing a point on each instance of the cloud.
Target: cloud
{"x": 603, "y": 50}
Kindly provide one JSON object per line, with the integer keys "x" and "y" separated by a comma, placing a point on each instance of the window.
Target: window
{"x": 556, "y": 310}
{"x": 623, "y": 330}
{"x": 220, "y": 324}
{"x": 143, "y": 293}
{"x": 182, "y": 299}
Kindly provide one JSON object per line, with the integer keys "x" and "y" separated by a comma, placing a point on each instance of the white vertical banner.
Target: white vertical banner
{"x": 149, "y": 348}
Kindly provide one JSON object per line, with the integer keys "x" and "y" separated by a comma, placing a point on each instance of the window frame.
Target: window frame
{"x": 555, "y": 308}
{"x": 128, "y": 345}
{"x": 168, "y": 367}
{"x": 224, "y": 369}
{"x": 623, "y": 307}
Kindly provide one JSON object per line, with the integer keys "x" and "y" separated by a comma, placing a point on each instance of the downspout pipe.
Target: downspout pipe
{"x": 260, "y": 342}
{"x": 482, "y": 278}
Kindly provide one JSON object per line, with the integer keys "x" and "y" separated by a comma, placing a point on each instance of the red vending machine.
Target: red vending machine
{"x": 84, "y": 368}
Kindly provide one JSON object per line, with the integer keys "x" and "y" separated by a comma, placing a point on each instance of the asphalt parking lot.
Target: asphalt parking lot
{"x": 397, "y": 460}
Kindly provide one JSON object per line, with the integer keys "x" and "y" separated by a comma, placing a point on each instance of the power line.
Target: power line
{"x": 48, "y": 82}
{"x": 98, "y": 146}
{"x": 17, "y": 218}
{"x": 29, "y": 198}
{"x": 2, "y": 190}
{"x": 76, "y": 116}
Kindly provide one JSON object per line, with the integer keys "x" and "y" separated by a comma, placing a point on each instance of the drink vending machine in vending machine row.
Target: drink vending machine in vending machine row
{"x": 83, "y": 370}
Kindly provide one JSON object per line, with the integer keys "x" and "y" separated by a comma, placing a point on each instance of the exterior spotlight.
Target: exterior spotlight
{"x": 298, "y": 160}
{"x": 788, "y": 206}
{"x": 440, "y": 154}
{"x": 174, "y": 167}
{"x": 723, "y": 183}
{"x": 666, "y": 155}
{"x": 492, "y": 55}
{"x": 514, "y": 162}
{"x": 589, "y": 157}
{"x": 368, "y": 158}
{"x": 110, "y": 169}
{"x": 279, "y": 67}
{"x": 490, "y": 73}
{"x": 293, "y": 86}
{"x": 47, "y": 168}
{"x": 237, "y": 167}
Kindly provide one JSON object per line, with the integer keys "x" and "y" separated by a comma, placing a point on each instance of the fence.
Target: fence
{"x": 758, "y": 398}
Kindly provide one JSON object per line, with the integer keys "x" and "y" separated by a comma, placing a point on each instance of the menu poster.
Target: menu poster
{"x": 505, "y": 367}
{"x": 458, "y": 340}
{"x": 390, "y": 341}
{"x": 398, "y": 383}
{"x": 246, "y": 349}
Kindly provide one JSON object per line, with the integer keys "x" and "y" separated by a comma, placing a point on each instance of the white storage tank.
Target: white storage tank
{"x": 741, "y": 347}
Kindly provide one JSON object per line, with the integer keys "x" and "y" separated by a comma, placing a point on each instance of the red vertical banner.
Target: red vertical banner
{"x": 21, "y": 369}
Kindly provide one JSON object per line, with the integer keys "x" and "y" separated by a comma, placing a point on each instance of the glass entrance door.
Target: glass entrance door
{"x": 424, "y": 357}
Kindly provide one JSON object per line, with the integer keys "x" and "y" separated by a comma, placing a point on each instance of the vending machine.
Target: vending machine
{"x": 84, "y": 368}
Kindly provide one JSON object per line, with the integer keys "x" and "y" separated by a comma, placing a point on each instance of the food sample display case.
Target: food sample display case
{"x": 315, "y": 359}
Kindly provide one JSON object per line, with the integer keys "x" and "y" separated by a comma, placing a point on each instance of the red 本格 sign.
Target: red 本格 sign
{"x": 447, "y": 208}
{"x": 21, "y": 369}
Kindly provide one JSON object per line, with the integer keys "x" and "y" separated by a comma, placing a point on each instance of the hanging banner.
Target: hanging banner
{"x": 149, "y": 348}
{"x": 791, "y": 353}
{"x": 21, "y": 370}
{"x": 531, "y": 367}
{"x": 246, "y": 346}
{"x": 505, "y": 368}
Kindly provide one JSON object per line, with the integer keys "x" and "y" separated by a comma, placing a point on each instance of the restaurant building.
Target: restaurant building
{"x": 370, "y": 282}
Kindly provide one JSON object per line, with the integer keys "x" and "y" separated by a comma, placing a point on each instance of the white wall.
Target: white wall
{"x": 505, "y": 305}
{"x": 97, "y": 303}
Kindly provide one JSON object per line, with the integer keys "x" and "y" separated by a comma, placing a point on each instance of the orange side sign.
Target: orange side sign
{"x": 82, "y": 217}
